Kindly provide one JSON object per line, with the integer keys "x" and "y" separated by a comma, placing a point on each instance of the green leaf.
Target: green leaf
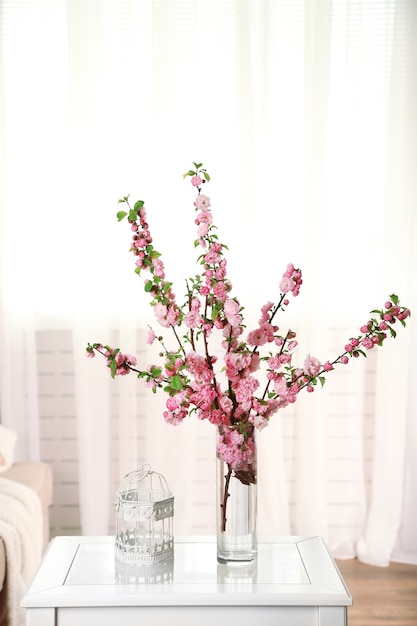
{"x": 149, "y": 248}
{"x": 137, "y": 270}
{"x": 138, "y": 205}
{"x": 176, "y": 383}
{"x": 148, "y": 286}
{"x": 206, "y": 176}
{"x": 214, "y": 313}
{"x": 322, "y": 380}
{"x": 121, "y": 214}
{"x": 392, "y": 331}
{"x": 155, "y": 254}
{"x": 197, "y": 165}
{"x": 395, "y": 299}
{"x": 132, "y": 216}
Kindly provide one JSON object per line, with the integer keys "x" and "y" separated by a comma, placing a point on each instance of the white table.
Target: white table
{"x": 293, "y": 582}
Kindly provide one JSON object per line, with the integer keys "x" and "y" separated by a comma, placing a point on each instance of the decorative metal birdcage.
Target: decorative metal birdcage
{"x": 144, "y": 509}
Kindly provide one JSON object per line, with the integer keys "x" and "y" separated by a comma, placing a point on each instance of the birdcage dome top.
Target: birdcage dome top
{"x": 144, "y": 485}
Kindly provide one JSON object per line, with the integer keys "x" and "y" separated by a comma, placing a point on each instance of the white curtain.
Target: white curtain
{"x": 304, "y": 115}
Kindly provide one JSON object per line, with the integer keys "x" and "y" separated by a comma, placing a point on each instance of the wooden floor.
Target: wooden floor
{"x": 381, "y": 595}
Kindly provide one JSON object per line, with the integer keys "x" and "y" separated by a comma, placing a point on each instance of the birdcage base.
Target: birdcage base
{"x": 144, "y": 555}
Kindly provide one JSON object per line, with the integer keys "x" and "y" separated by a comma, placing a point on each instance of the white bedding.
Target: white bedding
{"x": 21, "y": 530}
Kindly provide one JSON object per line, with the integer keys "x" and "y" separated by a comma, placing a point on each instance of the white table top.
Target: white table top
{"x": 81, "y": 571}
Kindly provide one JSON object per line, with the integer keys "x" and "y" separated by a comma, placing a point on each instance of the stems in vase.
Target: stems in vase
{"x": 225, "y": 497}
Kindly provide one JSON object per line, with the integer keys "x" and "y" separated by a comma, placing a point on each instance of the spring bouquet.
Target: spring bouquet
{"x": 255, "y": 377}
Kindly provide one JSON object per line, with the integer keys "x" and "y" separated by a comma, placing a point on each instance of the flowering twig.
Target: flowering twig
{"x": 191, "y": 378}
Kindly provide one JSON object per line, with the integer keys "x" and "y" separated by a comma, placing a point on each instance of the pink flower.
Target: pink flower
{"x": 172, "y": 316}
{"x": 257, "y": 337}
{"x": 231, "y": 312}
{"x": 213, "y": 254}
{"x": 199, "y": 367}
{"x": 231, "y": 307}
{"x": 202, "y": 202}
{"x": 280, "y": 386}
{"x": 172, "y": 403}
{"x": 312, "y": 366}
{"x": 367, "y": 343}
{"x": 404, "y": 314}
{"x": 291, "y": 281}
{"x": 226, "y": 404}
{"x": 287, "y": 284}
{"x": 245, "y": 390}
{"x": 203, "y": 397}
{"x": 150, "y": 338}
{"x": 202, "y": 230}
{"x": 216, "y": 417}
{"x": 220, "y": 290}
{"x": 205, "y": 216}
{"x": 259, "y": 421}
{"x": 129, "y": 358}
{"x": 158, "y": 268}
{"x": 235, "y": 450}
{"x": 265, "y": 312}
{"x": 196, "y": 180}
{"x": 192, "y": 319}
{"x": 175, "y": 417}
{"x": 221, "y": 270}
{"x": 274, "y": 362}
{"x": 195, "y": 304}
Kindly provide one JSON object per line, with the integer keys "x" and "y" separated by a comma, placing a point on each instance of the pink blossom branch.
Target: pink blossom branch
{"x": 189, "y": 378}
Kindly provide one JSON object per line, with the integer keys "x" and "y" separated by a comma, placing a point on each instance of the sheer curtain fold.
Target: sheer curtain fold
{"x": 304, "y": 115}
{"x": 19, "y": 383}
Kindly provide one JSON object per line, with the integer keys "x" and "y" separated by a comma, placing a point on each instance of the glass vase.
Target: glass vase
{"x": 236, "y": 501}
